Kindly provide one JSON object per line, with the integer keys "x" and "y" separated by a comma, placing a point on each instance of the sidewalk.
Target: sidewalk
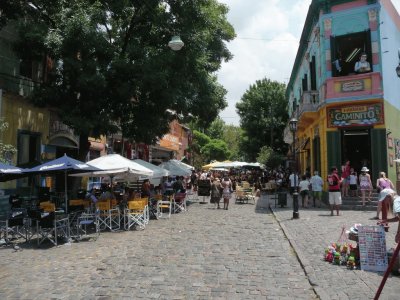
{"x": 313, "y": 232}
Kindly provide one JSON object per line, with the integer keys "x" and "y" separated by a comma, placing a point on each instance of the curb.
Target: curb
{"x": 304, "y": 262}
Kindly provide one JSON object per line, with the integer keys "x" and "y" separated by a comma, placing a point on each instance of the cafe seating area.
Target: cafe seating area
{"x": 45, "y": 223}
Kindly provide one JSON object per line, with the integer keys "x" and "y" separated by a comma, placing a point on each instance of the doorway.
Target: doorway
{"x": 356, "y": 147}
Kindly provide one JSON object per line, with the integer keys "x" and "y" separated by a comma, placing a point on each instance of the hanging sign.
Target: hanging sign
{"x": 352, "y": 86}
{"x": 356, "y": 115}
{"x": 372, "y": 244}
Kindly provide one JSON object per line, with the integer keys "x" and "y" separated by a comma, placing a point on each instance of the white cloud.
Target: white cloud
{"x": 267, "y": 32}
{"x": 266, "y": 45}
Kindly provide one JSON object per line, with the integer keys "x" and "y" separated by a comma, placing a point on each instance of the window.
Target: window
{"x": 25, "y": 68}
{"x": 28, "y": 147}
{"x": 304, "y": 83}
{"x": 313, "y": 74}
{"x": 346, "y": 51}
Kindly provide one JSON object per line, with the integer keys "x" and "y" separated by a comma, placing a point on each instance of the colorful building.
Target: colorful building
{"x": 346, "y": 112}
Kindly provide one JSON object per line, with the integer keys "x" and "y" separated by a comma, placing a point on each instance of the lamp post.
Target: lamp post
{"x": 293, "y": 128}
{"x": 176, "y": 43}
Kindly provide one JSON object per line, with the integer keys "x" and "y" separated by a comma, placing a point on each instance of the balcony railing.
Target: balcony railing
{"x": 309, "y": 102}
{"x": 354, "y": 86}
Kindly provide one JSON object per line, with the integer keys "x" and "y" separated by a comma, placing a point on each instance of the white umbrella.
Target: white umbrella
{"x": 175, "y": 169}
{"x": 181, "y": 164}
{"x": 117, "y": 166}
{"x": 158, "y": 173}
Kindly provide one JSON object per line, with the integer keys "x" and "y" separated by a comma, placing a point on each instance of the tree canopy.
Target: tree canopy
{"x": 108, "y": 65}
{"x": 263, "y": 117}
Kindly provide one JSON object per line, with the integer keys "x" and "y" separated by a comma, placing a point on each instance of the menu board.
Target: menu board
{"x": 372, "y": 245}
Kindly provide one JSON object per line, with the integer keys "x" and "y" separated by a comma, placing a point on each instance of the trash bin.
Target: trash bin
{"x": 282, "y": 199}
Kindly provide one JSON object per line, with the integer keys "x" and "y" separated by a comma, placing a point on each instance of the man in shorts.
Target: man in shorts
{"x": 316, "y": 186}
{"x": 335, "y": 197}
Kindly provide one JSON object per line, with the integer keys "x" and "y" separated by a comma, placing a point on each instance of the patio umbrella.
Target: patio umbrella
{"x": 182, "y": 164}
{"x": 210, "y": 165}
{"x": 64, "y": 165}
{"x": 158, "y": 173}
{"x": 8, "y": 172}
{"x": 115, "y": 165}
{"x": 175, "y": 169}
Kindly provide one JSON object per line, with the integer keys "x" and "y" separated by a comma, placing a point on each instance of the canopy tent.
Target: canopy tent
{"x": 64, "y": 165}
{"x": 175, "y": 169}
{"x": 8, "y": 172}
{"x": 158, "y": 172}
{"x": 182, "y": 164}
{"x": 117, "y": 167}
{"x": 254, "y": 165}
{"x": 211, "y": 165}
{"x": 220, "y": 169}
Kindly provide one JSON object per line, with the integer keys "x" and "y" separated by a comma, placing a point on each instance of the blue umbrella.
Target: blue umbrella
{"x": 8, "y": 172}
{"x": 65, "y": 165}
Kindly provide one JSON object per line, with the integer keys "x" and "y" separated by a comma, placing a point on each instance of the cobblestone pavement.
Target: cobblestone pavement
{"x": 313, "y": 232}
{"x": 204, "y": 253}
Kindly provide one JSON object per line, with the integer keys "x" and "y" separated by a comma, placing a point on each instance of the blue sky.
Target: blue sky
{"x": 267, "y": 32}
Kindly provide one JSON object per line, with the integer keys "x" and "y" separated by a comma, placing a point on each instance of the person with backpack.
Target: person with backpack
{"x": 335, "y": 196}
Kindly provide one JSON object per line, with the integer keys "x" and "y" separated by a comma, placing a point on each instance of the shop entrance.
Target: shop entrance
{"x": 356, "y": 147}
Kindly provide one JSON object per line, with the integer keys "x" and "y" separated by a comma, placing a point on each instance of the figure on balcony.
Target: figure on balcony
{"x": 362, "y": 66}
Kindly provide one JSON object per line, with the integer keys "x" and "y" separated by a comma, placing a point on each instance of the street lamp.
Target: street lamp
{"x": 176, "y": 43}
{"x": 293, "y": 128}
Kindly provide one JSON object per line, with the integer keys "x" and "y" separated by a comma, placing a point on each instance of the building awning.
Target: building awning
{"x": 63, "y": 141}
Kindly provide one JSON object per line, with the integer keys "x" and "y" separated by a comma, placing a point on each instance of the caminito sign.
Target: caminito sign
{"x": 355, "y": 115}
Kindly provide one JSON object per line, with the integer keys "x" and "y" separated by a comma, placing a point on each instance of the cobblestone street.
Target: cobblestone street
{"x": 204, "y": 253}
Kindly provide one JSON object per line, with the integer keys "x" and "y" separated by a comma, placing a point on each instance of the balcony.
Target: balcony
{"x": 354, "y": 86}
{"x": 309, "y": 102}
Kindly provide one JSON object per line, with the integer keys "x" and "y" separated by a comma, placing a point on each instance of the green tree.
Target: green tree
{"x": 232, "y": 136}
{"x": 269, "y": 157}
{"x": 6, "y": 151}
{"x": 263, "y": 117}
{"x": 216, "y": 128}
{"x": 112, "y": 70}
{"x": 215, "y": 150}
{"x": 199, "y": 140}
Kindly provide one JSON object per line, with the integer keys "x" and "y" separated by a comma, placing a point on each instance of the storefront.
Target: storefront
{"x": 356, "y": 132}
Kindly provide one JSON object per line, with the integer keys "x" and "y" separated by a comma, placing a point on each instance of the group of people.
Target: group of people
{"x": 308, "y": 187}
{"x": 221, "y": 188}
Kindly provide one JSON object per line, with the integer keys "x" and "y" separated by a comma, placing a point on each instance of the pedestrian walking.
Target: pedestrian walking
{"x": 365, "y": 185}
{"x": 216, "y": 192}
{"x": 353, "y": 183}
{"x": 294, "y": 182}
{"x": 316, "y": 187}
{"x": 335, "y": 197}
{"x": 345, "y": 178}
{"x": 227, "y": 191}
{"x": 304, "y": 190}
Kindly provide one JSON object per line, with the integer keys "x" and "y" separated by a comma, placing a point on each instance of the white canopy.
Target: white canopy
{"x": 181, "y": 164}
{"x": 158, "y": 173}
{"x": 175, "y": 169}
{"x": 115, "y": 165}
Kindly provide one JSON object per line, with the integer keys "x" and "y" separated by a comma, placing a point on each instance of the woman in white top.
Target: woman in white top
{"x": 304, "y": 189}
{"x": 226, "y": 193}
